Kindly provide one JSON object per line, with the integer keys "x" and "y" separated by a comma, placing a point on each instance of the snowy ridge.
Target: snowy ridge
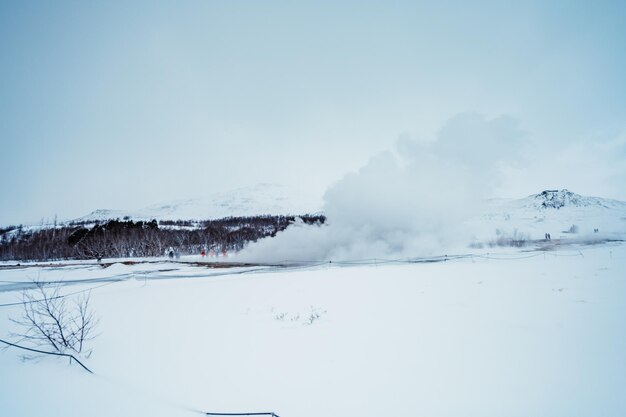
{"x": 554, "y": 212}
{"x": 550, "y": 211}
{"x": 557, "y": 199}
{"x": 249, "y": 201}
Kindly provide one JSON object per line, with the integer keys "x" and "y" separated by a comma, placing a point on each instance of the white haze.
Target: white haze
{"x": 408, "y": 201}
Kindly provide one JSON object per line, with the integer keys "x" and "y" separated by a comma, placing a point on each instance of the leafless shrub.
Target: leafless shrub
{"x": 516, "y": 240}
{"x": 312, "y": 317}
{"x": 315, "y": 314}
{"x": 305, "y": 319}
{"x": 54, "y": 322}
{"x": 476, "y": 245}
{"x": 280, "y": 316}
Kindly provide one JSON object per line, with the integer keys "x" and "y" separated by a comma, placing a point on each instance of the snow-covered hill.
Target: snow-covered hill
{"x": 557, "y": 199}
{"x": 558, "y": 212}
{"x": 249, "y": 201}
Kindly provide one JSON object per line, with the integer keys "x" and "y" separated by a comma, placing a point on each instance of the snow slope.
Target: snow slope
{"x": 551, "y": 211}
{"x": 554, "y": 212}
{"x": 249, "y": 201}
{"x": 504, "y": 334}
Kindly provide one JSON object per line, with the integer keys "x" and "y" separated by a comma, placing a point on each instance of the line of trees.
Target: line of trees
{"x": 127, "y": 238}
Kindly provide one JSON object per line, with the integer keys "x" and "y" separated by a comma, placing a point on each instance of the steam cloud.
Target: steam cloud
{"x": 409, "y": 201}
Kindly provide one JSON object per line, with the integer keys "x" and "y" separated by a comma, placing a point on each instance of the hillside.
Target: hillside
{"x": 248, "y": 201}
{"x": 554, "y": 212}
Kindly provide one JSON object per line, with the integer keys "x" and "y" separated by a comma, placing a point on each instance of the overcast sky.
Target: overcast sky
{"x": 125, "y": 104}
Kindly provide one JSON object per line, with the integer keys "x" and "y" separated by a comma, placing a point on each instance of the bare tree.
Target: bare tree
{"x": 115, "y": 238}
{"x": 51, "y": 320}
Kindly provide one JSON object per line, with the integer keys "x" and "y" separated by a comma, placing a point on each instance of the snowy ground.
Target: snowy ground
{"x": 506, "y": 334}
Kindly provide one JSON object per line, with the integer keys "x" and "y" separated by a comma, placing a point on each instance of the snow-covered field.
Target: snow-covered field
{"x": 509, "y": 333}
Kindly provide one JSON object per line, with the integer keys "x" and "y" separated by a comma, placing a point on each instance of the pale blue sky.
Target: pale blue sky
{"x": 125, "y": 104}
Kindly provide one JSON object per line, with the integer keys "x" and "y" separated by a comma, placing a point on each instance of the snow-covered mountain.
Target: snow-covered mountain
{"x": 248, "y": 201}
{"x": 557, "y": 199}
{"x": 558, "y": 212}
{"x": 554, "y": 212}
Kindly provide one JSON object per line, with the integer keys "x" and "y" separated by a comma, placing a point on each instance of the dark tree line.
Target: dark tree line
{"x": 127, "y": 238}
